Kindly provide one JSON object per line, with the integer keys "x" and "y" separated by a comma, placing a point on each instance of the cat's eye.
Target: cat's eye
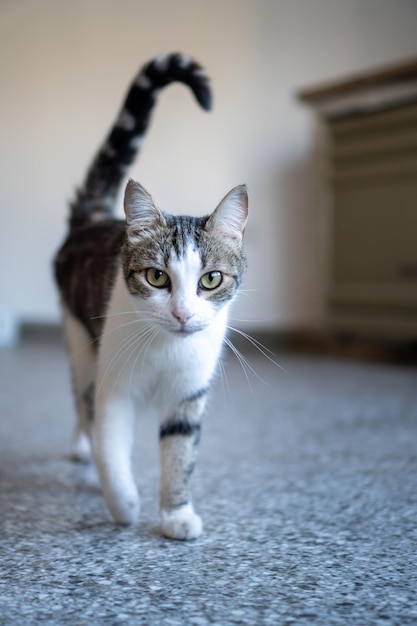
{"x": 157, "y": 278}
{"x": 211, "y": 280}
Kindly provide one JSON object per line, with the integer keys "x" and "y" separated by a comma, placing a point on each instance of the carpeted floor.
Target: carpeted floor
{"x": 306, "y": 483}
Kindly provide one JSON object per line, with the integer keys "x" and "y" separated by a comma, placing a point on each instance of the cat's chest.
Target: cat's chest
{"x": 174, "y": 370}
{"x": 164, "y": 373}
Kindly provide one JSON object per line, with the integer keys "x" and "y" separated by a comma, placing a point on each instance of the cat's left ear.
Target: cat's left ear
{"x": 231, "y": 215}
{"x": 141, "y": 212}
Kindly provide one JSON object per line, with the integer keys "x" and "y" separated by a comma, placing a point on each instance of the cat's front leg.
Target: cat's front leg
{"x": 179, "y": 438}
{"x": 114, "y": 435}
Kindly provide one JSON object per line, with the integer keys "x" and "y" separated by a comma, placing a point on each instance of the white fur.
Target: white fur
{"x": 182, "y": 523}
{"x": 154, "y": 353}
{"x": 83, "y": 363}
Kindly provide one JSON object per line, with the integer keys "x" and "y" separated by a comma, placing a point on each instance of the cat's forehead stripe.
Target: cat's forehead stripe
{"x": 185, "y": 233}
{"x": 189, "y": 263}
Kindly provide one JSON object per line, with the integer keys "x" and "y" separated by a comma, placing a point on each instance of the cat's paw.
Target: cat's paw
{"x": 125, "y": 511}
{"x": 80, "y": 451}
{"x": 181, "y": 523}
{"x": 122, "y": 500}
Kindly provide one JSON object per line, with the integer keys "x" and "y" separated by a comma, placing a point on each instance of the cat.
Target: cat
{"x": 144, "y": 305}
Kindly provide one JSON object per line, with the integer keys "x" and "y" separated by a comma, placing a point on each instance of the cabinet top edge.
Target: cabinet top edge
{"x": 388, "y": 75}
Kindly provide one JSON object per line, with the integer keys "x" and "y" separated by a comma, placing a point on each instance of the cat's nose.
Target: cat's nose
{"x": 182, "y": 316}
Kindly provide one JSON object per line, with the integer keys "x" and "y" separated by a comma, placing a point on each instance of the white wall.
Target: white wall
{"x": 64, "y": 67}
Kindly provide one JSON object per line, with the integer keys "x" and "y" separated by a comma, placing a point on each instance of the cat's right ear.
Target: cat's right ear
{"x": 141, "y": 212}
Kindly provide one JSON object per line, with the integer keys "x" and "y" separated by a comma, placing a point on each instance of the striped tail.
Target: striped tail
{"x": 96, "y": 198}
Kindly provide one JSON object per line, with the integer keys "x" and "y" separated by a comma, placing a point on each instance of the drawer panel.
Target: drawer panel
{"x": 375, "y": 233}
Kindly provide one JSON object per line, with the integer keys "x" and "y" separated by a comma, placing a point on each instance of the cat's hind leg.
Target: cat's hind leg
{"x": 82, "y": 354}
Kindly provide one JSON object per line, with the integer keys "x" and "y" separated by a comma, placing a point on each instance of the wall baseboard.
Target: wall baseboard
{"x": 37, "y": 331}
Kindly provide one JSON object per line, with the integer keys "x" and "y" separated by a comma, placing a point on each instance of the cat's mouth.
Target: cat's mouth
{"x": 186, "y": 330}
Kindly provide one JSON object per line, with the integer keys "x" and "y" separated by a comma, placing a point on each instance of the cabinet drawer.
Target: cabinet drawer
{"x": 375, "y": 233}
{"x": 374, "y": 143}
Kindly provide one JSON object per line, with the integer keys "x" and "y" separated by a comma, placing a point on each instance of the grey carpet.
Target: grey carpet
{"x": 306, "y": 484}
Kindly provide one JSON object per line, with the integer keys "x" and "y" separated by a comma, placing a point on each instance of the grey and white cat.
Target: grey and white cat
{"x": 145, "y": 304}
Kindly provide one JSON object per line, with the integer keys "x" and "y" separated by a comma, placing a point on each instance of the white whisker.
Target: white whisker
{"x": 244, "y": 363}
{"x": 245, "y": 292}
{"x": 251, "y": 321}
{"x": 103, "y": 334}
{"x": 143, "y": 349}
{"x": 224, "y": 379}
{"x": 132, "y": 312}
{"x": 127, "y": 344}
{"x": 259, "y": 346}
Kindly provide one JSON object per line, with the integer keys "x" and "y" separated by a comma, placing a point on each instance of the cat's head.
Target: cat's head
{"x": 183, "y": 271}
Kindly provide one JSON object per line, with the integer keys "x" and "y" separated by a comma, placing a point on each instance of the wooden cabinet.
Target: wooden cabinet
{"x": 368, "y": 171}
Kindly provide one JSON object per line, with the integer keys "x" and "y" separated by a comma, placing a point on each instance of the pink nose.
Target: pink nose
{"x": 182, "y": 317}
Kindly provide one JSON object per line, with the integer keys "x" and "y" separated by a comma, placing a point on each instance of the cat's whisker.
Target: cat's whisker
{"x": 246, "y": 366}
{"x": 132, "y": 351}
{"x": 125, "y": 345}
{"x": 259, "y": 346}
{"x": 96, "y": 340}
{"x": 143, "y": 350}
{"x": 245, "y": 292}
{"x": 128, "y": 342}
{"x": 114, "y": 314}
{"x": 147, "y": 346}
{"x": 245, "y": 360}
{"x": 140, "y": 321}
{"x": 224, "y": 379}
{"x": 252, "y": 320}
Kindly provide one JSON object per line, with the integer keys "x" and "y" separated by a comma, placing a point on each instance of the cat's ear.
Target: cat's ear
{"x": 141, "y": 212}
{"x": 231, "y": 215}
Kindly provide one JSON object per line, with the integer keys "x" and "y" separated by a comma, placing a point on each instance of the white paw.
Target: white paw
{"x": 181, "y": 523}
{"x": 124, "y": 511}
{"x": 123, "y": 503}
{"x": 80, "y": 449}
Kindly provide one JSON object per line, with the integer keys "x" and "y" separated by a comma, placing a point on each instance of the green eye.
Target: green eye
{"x": 157, "y": 278}
{"x": 211, "y": 280}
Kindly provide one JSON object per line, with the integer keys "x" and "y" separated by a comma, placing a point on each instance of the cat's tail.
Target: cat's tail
{"x": 96, "y": 198}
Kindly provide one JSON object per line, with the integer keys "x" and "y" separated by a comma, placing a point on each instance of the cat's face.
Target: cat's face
{"x": 183, "y": 271}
